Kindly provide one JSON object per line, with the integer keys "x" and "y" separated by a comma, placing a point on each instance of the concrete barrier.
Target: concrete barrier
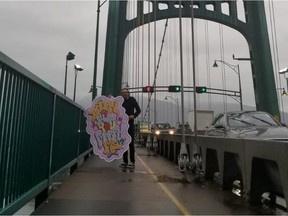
{"x": 260, "y": 165}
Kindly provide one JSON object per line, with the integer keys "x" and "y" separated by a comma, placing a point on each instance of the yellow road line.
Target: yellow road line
{"x": 174, "y": 199}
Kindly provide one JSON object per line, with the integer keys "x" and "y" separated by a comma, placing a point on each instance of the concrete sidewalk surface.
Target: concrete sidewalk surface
{"x": 154, "y": 187}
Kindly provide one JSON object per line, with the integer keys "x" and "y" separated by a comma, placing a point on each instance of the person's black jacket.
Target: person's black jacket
{"x": 132, "y": 108}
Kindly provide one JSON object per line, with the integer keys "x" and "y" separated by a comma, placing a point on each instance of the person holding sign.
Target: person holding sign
{"x": 132, "y": 110}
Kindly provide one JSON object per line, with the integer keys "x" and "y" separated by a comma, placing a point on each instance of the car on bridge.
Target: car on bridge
{"x": 247, "y": 124}
{"x": 162, "y": 127}
{"x": 256, "y": 125}
{"x": 187, "y": 128}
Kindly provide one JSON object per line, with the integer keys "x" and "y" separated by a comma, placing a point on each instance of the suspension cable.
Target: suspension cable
{"x": 223, "y": 67}
{"x": 138, "y": 51}
{"x": 126, "y": 68}
{"x": 181, "y": 69}
{"x": 189, "y": 63}
{"x": 142, "y": 95}
{"x": 208, "y": 63}
{"x": 196, "y": 51}
{"x": 194, "y": 72}
{"x": 149, "y": 61}
{"x": 133, "y": 49}
{"x": 157, "y": 68}
{"x": 155, "y": 72}
{"x": 276, "y": 56}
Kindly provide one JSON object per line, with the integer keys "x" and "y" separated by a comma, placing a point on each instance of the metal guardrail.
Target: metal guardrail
{"x": 261, "y": 166}
{"x": 42, "y": 132}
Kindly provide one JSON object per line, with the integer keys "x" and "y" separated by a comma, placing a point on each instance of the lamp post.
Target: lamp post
{"x": 236, "y": 69}
{"x": 69, "y": 56}
{"x": 77, "y": 68}
{"x": 96, "y": 50}
{"x": 177, "y": 102}
{"x": 91, "y": 89}
{"x": 284, "y": 71}
{"x": 284, "y": 93}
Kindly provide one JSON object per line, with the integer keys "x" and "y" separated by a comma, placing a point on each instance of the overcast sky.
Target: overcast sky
{"x": 39, "y": 34}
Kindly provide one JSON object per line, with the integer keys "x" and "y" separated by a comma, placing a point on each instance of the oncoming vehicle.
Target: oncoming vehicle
{"x": 248, "y": 124}
{"x": 143, "y": 127}
{"x": 163, "y": 127}
{"x": 187, "y": 128}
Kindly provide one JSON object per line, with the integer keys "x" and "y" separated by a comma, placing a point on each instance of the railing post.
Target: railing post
{"x": 51, "y": 143}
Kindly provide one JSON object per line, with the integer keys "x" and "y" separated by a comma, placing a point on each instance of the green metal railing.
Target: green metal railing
{"x": 42, "y": 132}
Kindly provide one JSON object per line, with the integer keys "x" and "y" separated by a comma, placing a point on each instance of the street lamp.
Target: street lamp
{"x": 284, "y": 71}
{"x": 77, "y": 68}
{"x": 69, "y": 56}
{"x": 284, "y": 93}
{"x": 91, "y": 89}
{"x": 236, "y": 69}
{"x": 177, "y": 102}
{"x": 99, "y": 5}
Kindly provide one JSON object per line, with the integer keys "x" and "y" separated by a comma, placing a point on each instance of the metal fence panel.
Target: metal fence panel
{"x": 65, "y": 143}
{"x": 27, "y": 115}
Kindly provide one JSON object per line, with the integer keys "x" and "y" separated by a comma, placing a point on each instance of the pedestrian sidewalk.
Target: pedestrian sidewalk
{"x": 154, "y": 187}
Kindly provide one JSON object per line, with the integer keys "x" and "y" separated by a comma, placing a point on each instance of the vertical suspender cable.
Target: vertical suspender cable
{"x": 174, "y": 47}
{"x": 137, "y": 69}
{"x": 157, "y": 67}
{"x": 181, "y": 71}
{"x": 142, "y": 68}
{"x": 275, "y": 52}
{"x": 135, "y": 46}
{"x": 128, "y": 56}
{"x": 195, "y": 54}
{"x": 132, "y": 49}
{"x": 130, "y": 53}
{"x": 166, "y": 77}
{"x": 208, "y": 63}
{"x": 172, "y": 62}
{"x": 126, "y": 68}
{"x": 223, "y": 67}
{"x": 196, "y": 158}
{"x": 138, "y": 50}
{"x": 149, "y": 62}
{"x": 194, "y": 73}
{"x": 135, "y": 38}
{"x": 125, "y": 64}
{"x": 188, "y": 63}
{"x": 155, "y": 72}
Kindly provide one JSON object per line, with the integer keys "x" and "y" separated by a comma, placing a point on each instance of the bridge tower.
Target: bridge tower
{"x": 254, "y": 30}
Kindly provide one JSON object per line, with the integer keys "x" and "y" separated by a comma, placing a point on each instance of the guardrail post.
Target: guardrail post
{"x": 51, "y": 143}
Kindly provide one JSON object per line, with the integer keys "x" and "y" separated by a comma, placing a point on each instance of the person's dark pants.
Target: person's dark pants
{"x": 131, "y": 147}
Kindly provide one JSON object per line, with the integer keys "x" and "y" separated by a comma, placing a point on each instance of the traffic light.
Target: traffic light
{"x": 201, "y": 89}
{"x": 174, "y": 88}
{"x": 148, "y": 89}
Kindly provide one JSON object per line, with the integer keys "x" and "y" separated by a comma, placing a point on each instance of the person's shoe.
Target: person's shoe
{"x": 131, "y": 165}
{"x": 124, "y": 165}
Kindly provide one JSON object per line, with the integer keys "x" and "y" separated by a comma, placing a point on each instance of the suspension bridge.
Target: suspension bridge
{"x": 151, "y": 49}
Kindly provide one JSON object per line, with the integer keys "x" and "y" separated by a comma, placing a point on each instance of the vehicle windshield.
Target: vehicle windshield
{"x": 251, "y": 119}
{"x": 163, "y": 125}
{"x": 186, "y": 126}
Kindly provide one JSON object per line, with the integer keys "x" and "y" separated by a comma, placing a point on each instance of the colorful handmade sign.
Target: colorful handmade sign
{"x": 107, "y": 124}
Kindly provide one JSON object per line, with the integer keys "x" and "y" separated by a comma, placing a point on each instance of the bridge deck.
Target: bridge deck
{"x": 154, "y": 188}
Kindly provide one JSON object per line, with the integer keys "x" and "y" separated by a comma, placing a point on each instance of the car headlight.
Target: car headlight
{"x": 171, "y": 132}
{"x": 157, "y": 132}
